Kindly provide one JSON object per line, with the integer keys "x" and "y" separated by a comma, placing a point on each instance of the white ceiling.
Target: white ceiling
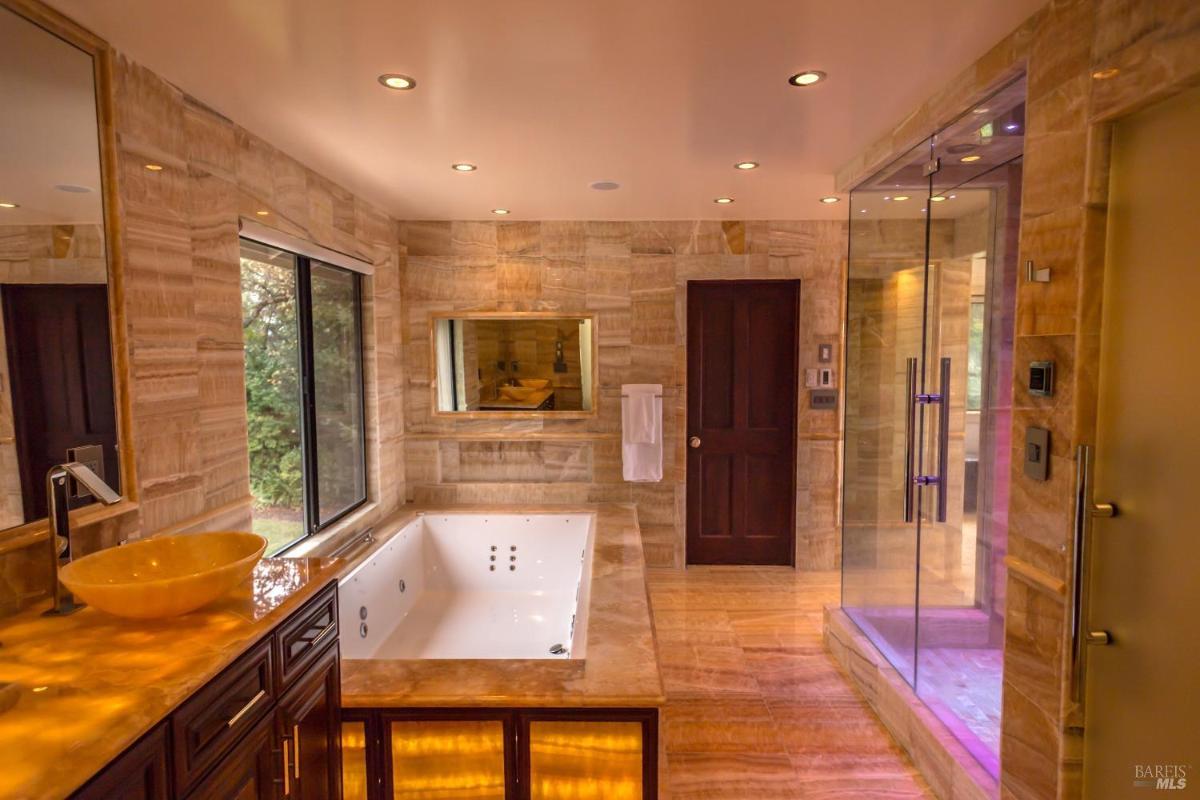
{"x": 547, "y": 96}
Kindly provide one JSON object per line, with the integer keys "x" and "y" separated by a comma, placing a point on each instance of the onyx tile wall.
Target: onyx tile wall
{"x": 180, "y": 261}
{"x": 633, "y": 276}
{"x": 1155, "y": 47}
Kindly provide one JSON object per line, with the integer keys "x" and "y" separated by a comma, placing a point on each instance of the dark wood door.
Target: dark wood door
{"x": 247, "y": 773}
{"x": 741, "y": 422}
{"x": 308, "y": 725}
{"x": 60, "y": 367}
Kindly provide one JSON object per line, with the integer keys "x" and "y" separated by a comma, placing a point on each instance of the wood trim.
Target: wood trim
{"x": 435, "y": 413}
{"x": 102, "y": 57}
{"x": 1035, "y": 576}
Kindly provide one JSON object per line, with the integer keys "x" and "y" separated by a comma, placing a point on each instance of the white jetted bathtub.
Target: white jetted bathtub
{"x": 472, "y": 586}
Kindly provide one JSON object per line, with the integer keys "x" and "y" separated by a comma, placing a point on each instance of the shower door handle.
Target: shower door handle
{"x": 938, "y": 479}
{"x": 1081, "y": 572}
{"x": 910, "y": 412}
{"x": 943, "y": 439}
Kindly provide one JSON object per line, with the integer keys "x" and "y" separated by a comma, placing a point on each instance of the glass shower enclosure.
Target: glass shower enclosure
{"x": 931, "y": 295}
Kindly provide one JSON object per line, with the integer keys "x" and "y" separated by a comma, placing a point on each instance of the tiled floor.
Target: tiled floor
{"x": 755, "y": 706}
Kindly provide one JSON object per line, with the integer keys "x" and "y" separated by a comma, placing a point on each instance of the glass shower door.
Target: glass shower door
{"x": 971, "y": 298}
{"x": 883, "y": 374}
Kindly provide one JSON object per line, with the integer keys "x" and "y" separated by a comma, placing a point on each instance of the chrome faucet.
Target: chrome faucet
{"x": 60, "y": 524}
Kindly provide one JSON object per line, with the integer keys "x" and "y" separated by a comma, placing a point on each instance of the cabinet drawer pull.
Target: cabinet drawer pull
{"x": 296, "y": 755}
{"x": 322, "y": 636}
{"x": 287, "y": 771}
{"x": 246, "y": 708}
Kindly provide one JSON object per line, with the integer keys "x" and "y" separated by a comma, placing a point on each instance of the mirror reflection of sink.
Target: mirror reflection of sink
{"x": 164, "y": 576}
{"x": 516, "y": 392}
{"x": 534, "y": 383}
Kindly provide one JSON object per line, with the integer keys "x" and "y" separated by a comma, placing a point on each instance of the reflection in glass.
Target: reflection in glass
{"x": 57, "y": 399}
{"x": 521, "y": 363}
{"x": 270, "y": 331}
{"x": 337, "y": 381}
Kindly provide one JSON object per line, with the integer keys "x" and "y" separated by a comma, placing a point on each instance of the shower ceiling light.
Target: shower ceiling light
{"x": 969, "y": 159}
{"x": 395, "y": 81}
{"x": 463, "y": 166}
{"x": 900, "y": 198}
{"x": 830, "y": 199}
{"x": 723, "y": 201}
{"x": 154, "y": 167}
{"x": 938, "y": 198}
{"x": 806, "y": 78}
{"x": 262, "y": 212}
{"x": 746, "y": 165}
{"x": 500, "y": 211}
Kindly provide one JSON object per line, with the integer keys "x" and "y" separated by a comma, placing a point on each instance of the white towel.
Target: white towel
{"x": 641, "y": 432}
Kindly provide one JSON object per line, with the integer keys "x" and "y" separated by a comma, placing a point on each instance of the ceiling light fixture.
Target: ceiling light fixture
{"x": 500, "y": 211}
{"x": 806, "y": 78}
{"x": 262, "y": 212}
{"x": 746, "y": 165}
{"x": 154, "y": 167}
{"x": 938, "y": 198}
{"x": 970, "y": 159}
{"x": 1012, "y": 126}
{"x": 1105, "y": 74}
{"x": 6, "y": 204}
{"x": 900, "y": 198}
{"x": 723, "y": 201}
{"x": 72, "y": 188}
{"x": 830, "y": 199}
{"x": 394, "y": 80}
{"x": 980, "y": 110}
{"x": 605, "y": 186}
{"x": 463, "y": 166}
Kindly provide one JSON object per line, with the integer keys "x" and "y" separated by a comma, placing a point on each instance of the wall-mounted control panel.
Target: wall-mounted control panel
{"x": 1041, "y": 378}
{"x": 819, "y": 378}
{"x": 823, "y": 399}
{"x": 1037, "y": 453}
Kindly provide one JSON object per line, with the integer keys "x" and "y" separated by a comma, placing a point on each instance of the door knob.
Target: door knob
{"x": 694, "y": 442}
{"x": 1099, "y": 637}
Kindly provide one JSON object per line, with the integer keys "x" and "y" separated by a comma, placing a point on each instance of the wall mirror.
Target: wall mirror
{"x": 58, "y": 399}
{"x": 514, "y": 363}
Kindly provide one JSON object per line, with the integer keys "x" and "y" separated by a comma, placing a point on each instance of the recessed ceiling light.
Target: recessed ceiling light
{"x": 900, "y": 197}
{"x": 746, "y": 165}
{"x": 463, "y": 166}
{"x": 723, "y": 201}
{"x": 830, "y": 199}
{"x": 862, "y": 211}
{"x": 980, "y": 110}
{"x": 71, "y": 188}
{"x": 393, "y": 80}
{"x": 1105, "y": 74}
{"x": 262, "y": 212}
{"x": 969, "y": 159}
{"x": 806, "y": 78}
{"x": 500, "y": 211}
{"x": 938, "y": 198}
{"x": 9, "y": 205}
{"x": 154, "y": 167}
{"x": 605, "y": 186}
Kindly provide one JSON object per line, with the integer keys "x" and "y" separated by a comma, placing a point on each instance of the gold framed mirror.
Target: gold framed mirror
{"x": 513, "y": 364}
{"x": 63, "y": 359}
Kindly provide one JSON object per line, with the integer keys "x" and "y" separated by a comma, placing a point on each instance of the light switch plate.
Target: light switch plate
{"x": 823, "y": 399}
{"x": 1037, "y": 453}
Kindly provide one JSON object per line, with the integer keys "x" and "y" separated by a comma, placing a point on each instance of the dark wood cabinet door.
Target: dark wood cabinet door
{"x": 741, "y": 421}
{"x": 309, "y": 732}
{"x": 247, "y": 773}
{"x": 139, "y": 774}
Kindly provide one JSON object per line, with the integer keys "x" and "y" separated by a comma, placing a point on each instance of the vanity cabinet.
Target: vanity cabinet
{"x": 265, "y": 728}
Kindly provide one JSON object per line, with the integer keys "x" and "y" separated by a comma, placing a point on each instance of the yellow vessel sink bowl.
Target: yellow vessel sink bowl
{"x": 166, "y": 576}
{"x": 534, "y": 383}
{"x": 516, "y": 392}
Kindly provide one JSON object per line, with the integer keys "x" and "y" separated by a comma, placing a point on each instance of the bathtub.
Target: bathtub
{"x": 472, "y": 586}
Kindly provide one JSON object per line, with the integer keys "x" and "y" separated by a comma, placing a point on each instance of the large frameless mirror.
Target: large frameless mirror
{"x": 516, "y": 363}
{"x": 57, "y": 394}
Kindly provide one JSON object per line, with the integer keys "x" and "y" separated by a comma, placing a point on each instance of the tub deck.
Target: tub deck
{"x": 620, "y": 668}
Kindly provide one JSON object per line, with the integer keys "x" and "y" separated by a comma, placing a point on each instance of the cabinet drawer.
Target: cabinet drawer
{"x": 301, "y": 639}
{"x": 216, "y": 717}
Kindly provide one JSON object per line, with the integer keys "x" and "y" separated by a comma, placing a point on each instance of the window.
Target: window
{"x": 302, "y": 328}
